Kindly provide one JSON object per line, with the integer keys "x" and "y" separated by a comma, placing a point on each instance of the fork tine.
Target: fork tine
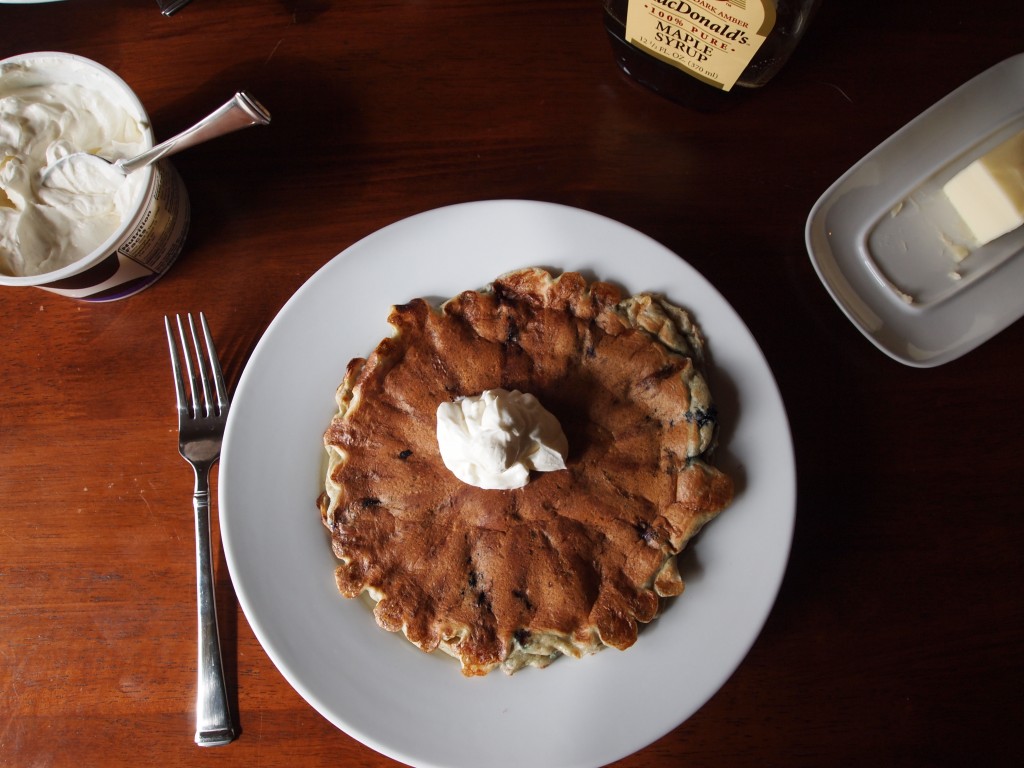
{"x": 218, "y": 373}
{"x": 204, "y": 380}
{"x": 194, "y": 404}
{"x": 179, "y": 385}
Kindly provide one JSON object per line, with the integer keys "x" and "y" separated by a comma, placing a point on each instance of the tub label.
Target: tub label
{"x": 159, "y": 235}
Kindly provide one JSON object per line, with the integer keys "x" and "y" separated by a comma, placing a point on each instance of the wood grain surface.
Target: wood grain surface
{"x": 898, "y": 635}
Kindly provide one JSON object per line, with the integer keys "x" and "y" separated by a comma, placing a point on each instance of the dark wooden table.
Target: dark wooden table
{"x": 898, "y": 635}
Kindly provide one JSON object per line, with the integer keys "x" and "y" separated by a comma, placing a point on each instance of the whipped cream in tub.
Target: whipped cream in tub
{"x": 90, "y": 232}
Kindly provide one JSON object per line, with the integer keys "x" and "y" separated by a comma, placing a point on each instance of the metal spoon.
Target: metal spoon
{"x": 240, "y": 112}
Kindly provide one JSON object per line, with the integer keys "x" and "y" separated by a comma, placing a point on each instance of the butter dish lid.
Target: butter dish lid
{"x": 893, "y": 252}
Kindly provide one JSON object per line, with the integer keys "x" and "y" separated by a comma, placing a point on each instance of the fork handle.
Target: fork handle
{"x": 213, "y": 717}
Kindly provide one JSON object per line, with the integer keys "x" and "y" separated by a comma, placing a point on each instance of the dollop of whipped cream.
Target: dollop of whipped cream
{"x": 45, "y": 228}
{"x": 493, "y": 440}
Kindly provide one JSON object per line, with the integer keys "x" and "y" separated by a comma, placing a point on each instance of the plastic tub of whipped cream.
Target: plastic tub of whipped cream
{"x": 91, "y": 236}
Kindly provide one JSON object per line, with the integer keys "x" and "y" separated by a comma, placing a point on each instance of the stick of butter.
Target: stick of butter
{"x": 989, "y": 193}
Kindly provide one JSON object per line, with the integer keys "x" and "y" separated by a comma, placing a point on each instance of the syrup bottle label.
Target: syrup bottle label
{"x": 713, "y": 40}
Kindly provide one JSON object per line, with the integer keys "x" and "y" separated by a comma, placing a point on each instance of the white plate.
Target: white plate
{"x": 418, "y": 708}
{"x": 885, "y": 241}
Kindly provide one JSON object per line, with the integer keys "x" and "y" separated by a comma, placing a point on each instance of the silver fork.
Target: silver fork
{"x": 201, "y": 421}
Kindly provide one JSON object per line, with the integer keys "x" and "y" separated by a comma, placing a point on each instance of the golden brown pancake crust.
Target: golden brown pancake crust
{"x": 572, "y": 561}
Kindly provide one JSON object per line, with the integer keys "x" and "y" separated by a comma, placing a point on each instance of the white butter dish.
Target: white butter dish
{"x": 892, "y": 250}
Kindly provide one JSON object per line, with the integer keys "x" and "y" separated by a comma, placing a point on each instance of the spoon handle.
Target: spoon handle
{"x": 240, "y": 112}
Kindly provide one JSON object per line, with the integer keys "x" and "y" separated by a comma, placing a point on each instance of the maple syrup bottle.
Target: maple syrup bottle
{"x": 701, "y": 52}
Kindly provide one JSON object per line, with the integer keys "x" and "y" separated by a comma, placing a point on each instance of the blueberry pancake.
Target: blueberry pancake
{"x": 572, "y": 561}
